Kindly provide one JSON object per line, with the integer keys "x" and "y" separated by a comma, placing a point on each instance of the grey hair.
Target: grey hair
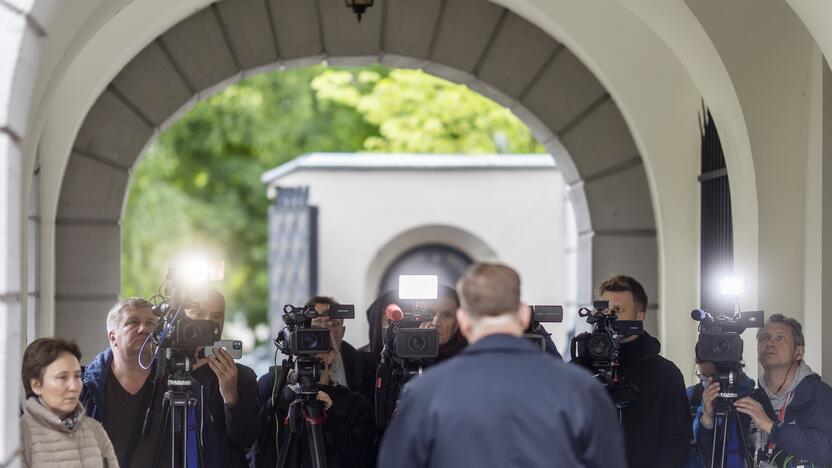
{"x": 797, "y": 328}
{"x": 116, "y": 310}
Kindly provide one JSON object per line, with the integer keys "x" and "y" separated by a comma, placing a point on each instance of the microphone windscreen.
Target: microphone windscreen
{"x": 394, "y": 312}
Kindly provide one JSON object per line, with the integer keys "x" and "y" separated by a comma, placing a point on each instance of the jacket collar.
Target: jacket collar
{"x": 500, "y": 343}
{"x": 45, "y": 417}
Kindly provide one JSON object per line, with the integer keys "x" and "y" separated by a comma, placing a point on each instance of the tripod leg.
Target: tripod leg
{"x": 719, "y": 442}
{"x": 160, "y": 437}
{"x": 315, "y": 437}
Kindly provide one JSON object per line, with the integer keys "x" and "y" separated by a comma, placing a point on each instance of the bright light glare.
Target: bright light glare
{"x": 418, "y": 286}
{"x": 732, "y": 287}
{"x": 193, "y": 270}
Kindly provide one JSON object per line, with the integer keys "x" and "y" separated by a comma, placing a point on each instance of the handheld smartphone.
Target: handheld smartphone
{"x": 234, "y": 348}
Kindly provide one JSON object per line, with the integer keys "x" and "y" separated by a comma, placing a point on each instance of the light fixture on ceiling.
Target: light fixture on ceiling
{"x": 359, "y": 6}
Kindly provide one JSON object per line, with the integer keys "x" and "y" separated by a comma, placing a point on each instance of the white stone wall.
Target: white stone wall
{"x": 367, "y": 218}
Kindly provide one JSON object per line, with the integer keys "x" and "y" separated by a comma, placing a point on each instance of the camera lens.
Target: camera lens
{"x": 721, "y": 347}
{"x": 310, "y": 341}
{"x": 416, "y": 343}
{"x": 599, "y": 347}
{"x": 191, "y": 333}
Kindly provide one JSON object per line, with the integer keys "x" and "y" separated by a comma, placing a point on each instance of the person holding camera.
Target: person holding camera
{"x": 789, "y": 416}
{"x": 53, "y": 429}
{"x": 348, "y": 430}
{"x": 707, "y": 372}
{"x": 539, "y": 412}
{"x": 126, "y": 398}
{"x": 657, "y": 429}
{"x": 230, "y": 389}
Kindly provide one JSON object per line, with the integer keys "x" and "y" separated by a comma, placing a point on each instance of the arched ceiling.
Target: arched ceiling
{"x": 475, "y": 42}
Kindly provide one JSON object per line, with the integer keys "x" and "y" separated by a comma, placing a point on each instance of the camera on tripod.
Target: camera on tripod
{"x": 598, "y": 350}
{"x": 300, "y": 338}
{"x": 542, "y": 314}
{"x": 302, "y": 342}
{"x": 176, "y": 336}
{"x": 719, "y": 336}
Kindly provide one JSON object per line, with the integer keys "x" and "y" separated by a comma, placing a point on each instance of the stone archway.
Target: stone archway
{"x": 474, "y": 42}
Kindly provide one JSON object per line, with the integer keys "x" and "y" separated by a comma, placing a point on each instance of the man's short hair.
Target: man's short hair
{"x": 489, "y": 289}
{"x": 39, "y": 354}
{"x": 119, "y": 307}
{"x": 797, "y": 328}
{"x": 624, "y": 283}
{"x": 330, "y": 301}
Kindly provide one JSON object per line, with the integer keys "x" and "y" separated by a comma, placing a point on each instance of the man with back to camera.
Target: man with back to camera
{"x": 230, "y": 388}
{"x": 657, "y": 430}
{"x": 501, "y": 402}
{"x": 118, "y": 392}
{"x": 788, "y": 419}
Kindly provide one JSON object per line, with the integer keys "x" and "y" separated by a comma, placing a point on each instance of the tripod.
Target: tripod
{"x": 724, "y": 413}
{"x": 179, "y": 402}
{"x": 305, "y": 417}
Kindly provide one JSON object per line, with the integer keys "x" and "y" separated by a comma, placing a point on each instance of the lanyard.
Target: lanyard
{"x": 781, "y": 416}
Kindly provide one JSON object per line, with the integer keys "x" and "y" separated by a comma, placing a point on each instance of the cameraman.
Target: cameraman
{"x": 657, "y": 430}
{"x": 348, "y": 429}
{"x": 538, "y": 412}
{"x": 351, "y": 368}
{"x": 230, "y": 389}
{"x": 707, "y": 371}
{"x": 790, "y": 414}
{"x": 118, "y": 392}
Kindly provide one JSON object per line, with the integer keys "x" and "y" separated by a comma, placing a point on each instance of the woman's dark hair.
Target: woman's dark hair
{"x": 39, "y": 354}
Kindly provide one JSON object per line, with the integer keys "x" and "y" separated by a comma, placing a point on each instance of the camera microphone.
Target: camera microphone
{"x": 394, "y": 312}
{"x": 699, "y": 315}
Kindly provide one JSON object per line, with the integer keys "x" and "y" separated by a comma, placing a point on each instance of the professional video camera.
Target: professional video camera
{"x": 176, "y": 339}
{"x": 542, "y": 314}
{"x": 598, "y": 350}
{"x": 407, "y": 348}
{"x": 720, "y": 342}
{"x": 301, "y": 342}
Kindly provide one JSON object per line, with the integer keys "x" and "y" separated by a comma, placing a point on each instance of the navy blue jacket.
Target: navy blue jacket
{"x": 95, "y": 391}
{"x": 734, "y": 448}
{"x": 806, "y": 432}
{"x": 503, "y": 403}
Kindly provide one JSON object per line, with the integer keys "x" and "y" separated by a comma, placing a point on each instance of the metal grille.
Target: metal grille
{"x": 716, "y": 239}
{"x": 293, "y": 251}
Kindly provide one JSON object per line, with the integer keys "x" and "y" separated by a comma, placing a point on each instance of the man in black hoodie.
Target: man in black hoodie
{"x": 657, "y": 430}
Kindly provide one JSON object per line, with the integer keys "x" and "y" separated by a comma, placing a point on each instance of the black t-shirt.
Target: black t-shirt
{"x": 126, "y": 411}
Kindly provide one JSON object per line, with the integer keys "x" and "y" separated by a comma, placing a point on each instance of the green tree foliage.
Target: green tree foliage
{"x": 198, "y": 186}
{"x": 418, "y": 113}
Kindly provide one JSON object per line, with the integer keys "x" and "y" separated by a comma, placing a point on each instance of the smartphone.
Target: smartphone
{"x": 234, "y": 348}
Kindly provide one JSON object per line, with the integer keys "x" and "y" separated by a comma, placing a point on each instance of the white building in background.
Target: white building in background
{"x": 507, "y": 208}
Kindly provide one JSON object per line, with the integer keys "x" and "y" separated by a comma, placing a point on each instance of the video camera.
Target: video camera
{"x": 302, "y": 342}
{"x": 719, "y": 336}
{"x": 598, "y": 350}
{"x": 542, "y": 314}
{"x": 177, "y": 337}
{"x": 720, "y": 342}
{"x": 601, "y": 345}
{"x": 407, "y": 348}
